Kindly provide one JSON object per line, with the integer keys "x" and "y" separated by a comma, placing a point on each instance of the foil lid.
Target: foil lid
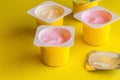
{"x": 84, "y": 1}
{"x": 99, "y": 60}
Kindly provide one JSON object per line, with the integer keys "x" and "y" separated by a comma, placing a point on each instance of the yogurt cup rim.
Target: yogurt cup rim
{"x": 48, "y": 28}
{"x": 79, "y": 18}
{"x": 68, "y": 43}
{"x": 42, "y": 6}
{"x": 66, "y": 11}
{"x": 83, "y": 14}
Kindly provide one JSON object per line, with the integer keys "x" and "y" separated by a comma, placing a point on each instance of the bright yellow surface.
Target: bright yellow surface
{"x": 56, "y": 23}
{"x": 79, "y": 7}
{"x": 19, "y": 58}
{"x": 55, "y": 56}
{"x": 100, "y": 36}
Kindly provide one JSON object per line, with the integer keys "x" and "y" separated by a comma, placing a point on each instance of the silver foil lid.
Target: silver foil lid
{"x": 99, "y": 60}
{"x": 83, "y": 1}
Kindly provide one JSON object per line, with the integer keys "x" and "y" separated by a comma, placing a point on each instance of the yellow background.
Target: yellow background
{"x": 19, "y": 58}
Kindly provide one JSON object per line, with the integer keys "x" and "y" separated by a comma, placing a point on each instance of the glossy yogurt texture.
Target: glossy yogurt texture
{"x": 51, "y": 11}
{"x": 96, "y": 16}
{"x": 54, "y": 36}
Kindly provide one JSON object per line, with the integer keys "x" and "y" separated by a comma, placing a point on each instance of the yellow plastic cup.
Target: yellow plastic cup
{"x": 54, "y": 54}
{"x": 49, "y": 13}
{"x": 56, "y": 23}
{"x": 77, "y": 7}
{"x": 96, "y": 36}
{"x": 96, "y": 24}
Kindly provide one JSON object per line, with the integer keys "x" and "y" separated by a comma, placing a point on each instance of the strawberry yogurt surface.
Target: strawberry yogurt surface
{"x": 54, "y": 36}
{"x": 96, "y": 16}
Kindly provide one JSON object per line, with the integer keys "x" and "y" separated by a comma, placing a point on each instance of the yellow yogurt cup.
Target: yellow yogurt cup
{"x": 54, "y": 49}
{"x": 49, "y": 13}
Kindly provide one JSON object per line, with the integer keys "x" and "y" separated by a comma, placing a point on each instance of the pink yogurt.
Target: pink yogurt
{"x": 96, "y": 16}
{"x": 54, "y": 36}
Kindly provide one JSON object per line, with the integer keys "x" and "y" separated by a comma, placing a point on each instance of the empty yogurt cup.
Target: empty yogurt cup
{"x": 49, "y": 13}
{"x": 100, "y": 60}
{"x": 55, "y": 43}
{"x": 96, "y": 24}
